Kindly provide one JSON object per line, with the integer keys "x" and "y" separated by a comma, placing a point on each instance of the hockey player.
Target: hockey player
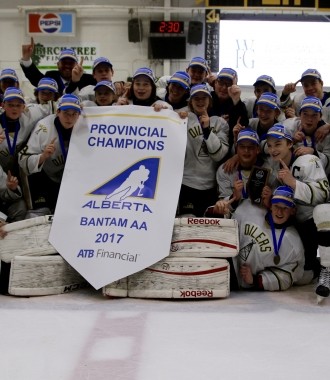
{"x": 46, "y": 151}
{"x": 11, "y": 202}
{"x": 207, "y": 144}
{"x": 177, "y": 90}
{"x": 306, "y": 176}
{"x": 227, "y": 103}
{"x": 264, "y": 83}
{"x": 143, "y": 91}
{"x": 271, "y": 253}
{"x": 312, "y": 85}
{"x": 8, "y": 78}
{"x": 102, "y": 70}
{"x": 303, "y": 130}
{"x": 232, "y": 187}
{"x": 268, "y": 110}
{"x": 46, "y": 91}
{"x": 198, "y": 72}
{"x": 105, "y": 95}
{"x": 16, "y": 124}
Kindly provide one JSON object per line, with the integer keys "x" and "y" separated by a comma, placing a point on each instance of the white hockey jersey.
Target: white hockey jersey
{"x": 250, "y": 104}
{"x": 5, "y": 193}
{"x": 44, "y": 132}
{"x": 257, "y": 250}
{"x": 322, "y": 147}
{"x": 203, "y": 156}
{"x": 312, "y": 187}
{"x": 27, "y": 122}
{"x": 296, "y": 103}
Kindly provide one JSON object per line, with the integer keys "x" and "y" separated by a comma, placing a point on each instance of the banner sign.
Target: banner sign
{"x": 212, "y": 22}
{"x": 51, "y": 23}
{"x": 45, "y": 56}
{"x": 282, "y": 4}
{"x": 117, "y": 203}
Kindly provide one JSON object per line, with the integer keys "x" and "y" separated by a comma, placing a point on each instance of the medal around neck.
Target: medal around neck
{"x": 277, "y": 259}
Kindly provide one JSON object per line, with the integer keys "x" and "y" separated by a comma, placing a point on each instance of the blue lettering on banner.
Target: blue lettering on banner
{"x": 111, "y": 238}
{"x": 103, "y": 222}
{"x": 128, "y": 130}
{"x": 141, "y": 137}
{"x": 103, "y": 254}
{"x": 125, "y": 143}
{"x": 130, "y": 206}
{"x": 136, "y": 225}
{"x": 86, "y": 253}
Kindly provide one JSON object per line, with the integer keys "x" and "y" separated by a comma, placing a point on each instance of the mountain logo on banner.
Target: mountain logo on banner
{"x": 139, "y": 180}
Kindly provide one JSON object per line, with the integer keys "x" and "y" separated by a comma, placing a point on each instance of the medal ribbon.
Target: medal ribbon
{"x": 312, "y": 142}
{"x": 244, "y": 192}
{"x": 60, "y": 137}
{"x": 277, "y": 245}
{"x": 11, "y": 146}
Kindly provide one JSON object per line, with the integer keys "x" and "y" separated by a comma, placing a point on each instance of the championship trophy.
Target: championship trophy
{"x": 257, "y": 180}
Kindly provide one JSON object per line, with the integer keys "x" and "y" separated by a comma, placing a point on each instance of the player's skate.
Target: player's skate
{"x": 323, "y": 287}
{"x": 321, "y": 215}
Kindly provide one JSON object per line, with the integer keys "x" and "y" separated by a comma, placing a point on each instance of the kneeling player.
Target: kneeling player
{"x": 271, "y": 255}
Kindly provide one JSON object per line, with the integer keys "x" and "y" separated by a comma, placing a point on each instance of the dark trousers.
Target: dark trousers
{"x": 308, "y": 233}
{"x": 44, "y": 191}
{"x": 194, "y": 201}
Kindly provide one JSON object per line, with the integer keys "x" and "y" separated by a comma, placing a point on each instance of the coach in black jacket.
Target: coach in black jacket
{"x": 67, "y": 61}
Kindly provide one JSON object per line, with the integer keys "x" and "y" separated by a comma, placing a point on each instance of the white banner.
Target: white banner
{"x": 116, "y": 208}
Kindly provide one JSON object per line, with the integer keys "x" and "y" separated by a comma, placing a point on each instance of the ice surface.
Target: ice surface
{"x": 83, "y": 335}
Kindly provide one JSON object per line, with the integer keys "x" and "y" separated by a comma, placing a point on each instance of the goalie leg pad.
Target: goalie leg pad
{"x": 174, "y": 277}
{"x": 44, "y": 275}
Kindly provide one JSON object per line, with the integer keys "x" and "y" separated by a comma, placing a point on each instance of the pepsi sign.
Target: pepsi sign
{"x": 52, "y": 23}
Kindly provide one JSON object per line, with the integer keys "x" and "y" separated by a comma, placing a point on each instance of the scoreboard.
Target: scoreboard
{"x": 313, "y": 4}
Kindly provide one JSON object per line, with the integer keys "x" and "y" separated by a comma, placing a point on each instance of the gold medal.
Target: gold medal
{"x": 277, "y": 259}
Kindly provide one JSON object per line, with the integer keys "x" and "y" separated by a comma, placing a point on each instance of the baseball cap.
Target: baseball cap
{"x": 311, "y": 73}
{"x": 68, "y": 102}
{"x": 278, "y": 131}
{"x": 12, "y": 93}
{"x": 144, "y": 71}
{"x": 68, "y": 53}
{"x": 181, "y": 78}
{"x": 105, "y": 83}
{"x": 228, "y": 73}
{"x": 47, "y": 84}
{"x": 199, "y": 88}
{"x": 269, "y": 99}
{"x": 265, "y": 79}
{"x": 284, "y": 194}
{"x": 311, "y": 102}
{"x": 199, "y": 61}
{"x": 248, "y": 135}
{"x": 100, "y": 60}
{"x": 9, "y": 74}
